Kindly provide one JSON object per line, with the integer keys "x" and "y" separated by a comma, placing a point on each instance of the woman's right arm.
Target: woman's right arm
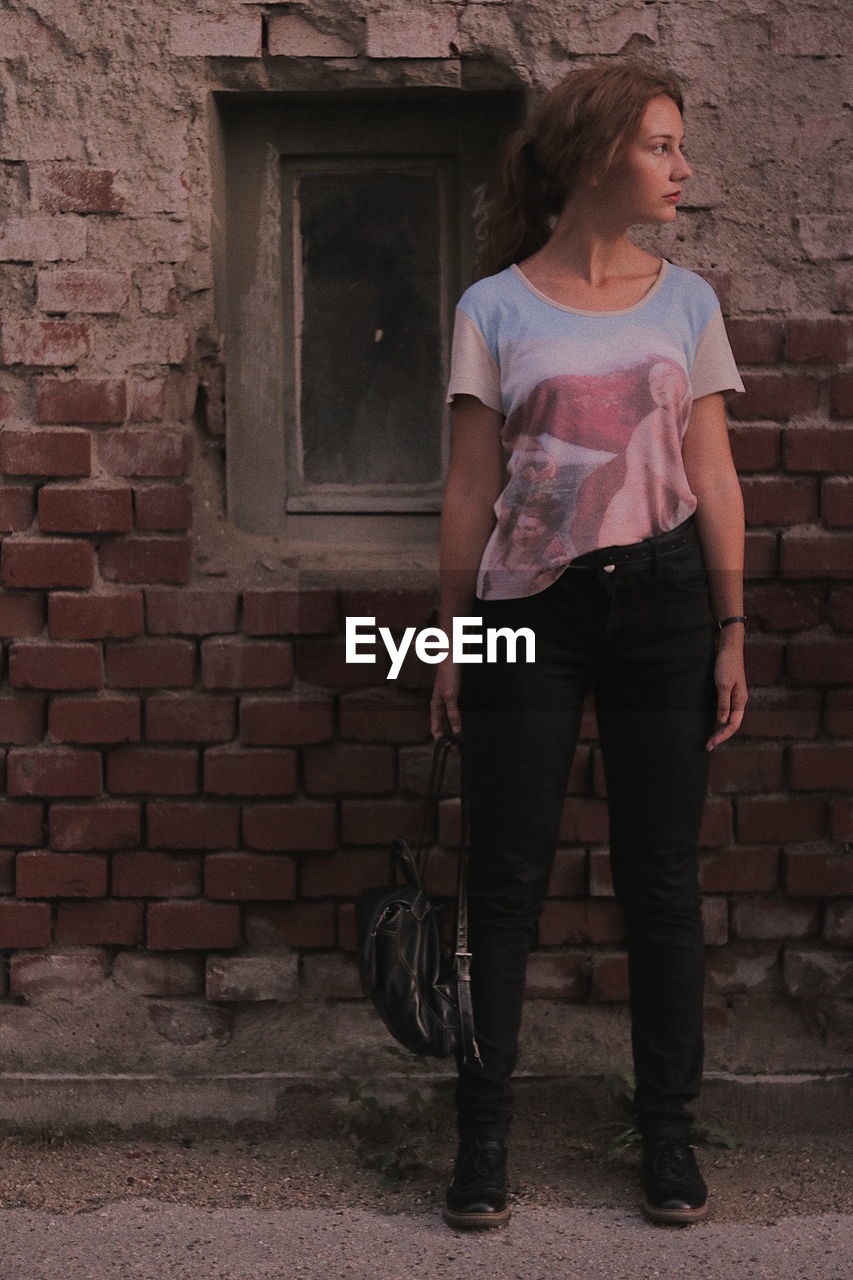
{"x": 474, "y": 481}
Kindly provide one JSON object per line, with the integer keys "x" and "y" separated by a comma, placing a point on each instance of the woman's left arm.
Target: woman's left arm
{"x": 720, "y": 522}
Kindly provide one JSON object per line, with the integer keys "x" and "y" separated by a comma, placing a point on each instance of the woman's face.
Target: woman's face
{"x": 652, "y": 167}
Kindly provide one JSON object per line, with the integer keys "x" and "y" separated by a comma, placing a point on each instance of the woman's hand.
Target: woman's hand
{"x": 444, "y": 707}
{"x": 730, "y": 679}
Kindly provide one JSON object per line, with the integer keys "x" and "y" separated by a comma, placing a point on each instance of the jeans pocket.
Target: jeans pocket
{"x": 685, "y": 570}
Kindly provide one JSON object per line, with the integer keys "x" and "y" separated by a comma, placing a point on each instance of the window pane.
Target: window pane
{"x": 370, "y": 363}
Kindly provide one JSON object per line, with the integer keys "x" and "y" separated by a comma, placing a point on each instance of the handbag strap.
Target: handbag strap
{"x": 469, "y": 1047}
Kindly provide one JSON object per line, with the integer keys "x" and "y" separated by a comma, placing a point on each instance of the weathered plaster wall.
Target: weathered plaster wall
{"x": 196, "y": 784}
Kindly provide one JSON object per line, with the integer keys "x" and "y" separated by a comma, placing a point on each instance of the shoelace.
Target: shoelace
{"x": 480, "y": 1162}
{"x": 671, "y": 1158}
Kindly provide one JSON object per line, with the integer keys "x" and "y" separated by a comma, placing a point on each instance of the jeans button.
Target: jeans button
{"x": 608, "y": 568}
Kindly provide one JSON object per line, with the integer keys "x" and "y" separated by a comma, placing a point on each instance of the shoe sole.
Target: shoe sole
{"x": 676, "y": 1216}
{"x": 476, "y": 1220}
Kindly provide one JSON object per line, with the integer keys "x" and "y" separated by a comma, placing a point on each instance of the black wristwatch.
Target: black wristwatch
{"x": 726, "y": 622}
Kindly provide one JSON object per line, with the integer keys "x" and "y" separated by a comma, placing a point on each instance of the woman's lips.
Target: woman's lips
{"x": 674, "y": 197}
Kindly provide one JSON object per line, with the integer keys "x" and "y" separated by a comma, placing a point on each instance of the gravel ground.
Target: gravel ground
{"x": 361, "y": 1154}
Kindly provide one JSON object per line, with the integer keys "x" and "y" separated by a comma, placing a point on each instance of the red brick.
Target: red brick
{"x": 836, "y": 501}
{"x": 234, "y": 663}
{"x": 150, "y": 664}
{"x": 245, "y": 876}
{"x": 756, "y": 340}
{"x": 35, "y": 664}
{"x": 776, "y": 396}
{"x": 781, "y": 606}
{"x": 609, "y": 977}
{"x": 189, "y": 718}
{"x": 147, "y": 400}
{"x": 347, "y": 937}
{"x": 740, "y": 870}
{"x": 290, "y": 720}
{"x": 568, "y": 873}
{"x": 290, "y": 826}
{"x": 583, "y": 820}
{"x": 185, "y": 926}
{"x": 190, "y": 612}
{"x": 715, "y": 921}
{"x": 760, "y": 553}
{"x": 71, "y": 509}
{"x": 46, "y": 562}
{"x": 573, "y": 922}
{"x": 760, "y": 919}
{"x": 371, "y": 822}
{"x": 24, "y": 924}
{"x": 716, "y": 826}
{"x": 118, "y": 615}
{"x": 346, "y": 768}
{"x": 152, "y": 771}
{"x": 56, "y": 974}
{"x": 415, "y": 765}
{"x": 96, "y": 291}
{"x": 95, "y": 826}
{"x": 193, "y": 826}
{"x": 16, "y": 508}
{"x": 239, "y": 771}
{"x": 818, "y": 871}
{"x": 818, "y": 449}
{"x": 45, "y": 342}
{"x": 101, "y": 400}
{"x": 600, "y": 875}
{"x": 60, "y": 875}
{"x": 771, "y": 820}
{"x": 293, "y": 924}
{"x": 782, "y": 713}
{"x": 372, "y": 717}
{"x": 21, "y": 720}
{"x": 779, "y": 500}
{"x": 396, "y": 609}
{"x": 820, "y": 659}
{"x": 838, "y": 923}
{"x": 148, "y": 974}
{"x": 747, "y": 768}
{"x": 153, "y": 452}
{"x": 20, "y": 823}
{"x": 841, "y": 396}
{"x": 164, "y": 508}
{"x": 67, "y": 189}
{"x": 53, "y": 771}
{"x": 745, "y": 967}
{"x": 155, "y": 875}
{"x": 765, "y": 659}
{"x": 556, "y": 976}
{"x": 21, "y": 614}
{"x": 108, "y": 719}
{"x": 154, "y": 559}
{"x": 323, "y": 663}
{"x": 812, "y": 553}
{"x": 104, "y": 923}
{"x": 756, "y": 446}
{"x": 272, "y": 613}
{"x": 826, "y": 338}
{"x": 840, "y": 609}
{"x": 818, "y": 766}
{"x": 838, "y": 714}
{"x": 343, "y": 875}
{"x": 45, "y": 452}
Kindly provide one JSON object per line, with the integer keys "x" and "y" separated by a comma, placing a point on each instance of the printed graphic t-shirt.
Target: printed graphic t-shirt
{"x": 595, "y": 406}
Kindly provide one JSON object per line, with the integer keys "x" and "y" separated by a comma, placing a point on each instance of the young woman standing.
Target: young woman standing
{"x": 587, "y": 379}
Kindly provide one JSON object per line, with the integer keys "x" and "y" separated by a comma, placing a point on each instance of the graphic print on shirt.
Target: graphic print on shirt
{"x": 591, "y": 476}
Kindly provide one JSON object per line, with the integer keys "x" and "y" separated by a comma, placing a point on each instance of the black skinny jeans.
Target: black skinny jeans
{"x": 641, "y": 635}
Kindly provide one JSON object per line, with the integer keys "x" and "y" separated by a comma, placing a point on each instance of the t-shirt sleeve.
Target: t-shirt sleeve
{"x": 714, "y": 367}
{"x": 473, "y": 370}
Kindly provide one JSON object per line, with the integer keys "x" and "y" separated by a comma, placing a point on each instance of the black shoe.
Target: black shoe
{"x": 476, "y": 1196}
{"x": 675, "y": 1189}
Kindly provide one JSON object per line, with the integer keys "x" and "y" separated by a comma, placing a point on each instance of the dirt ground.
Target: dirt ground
{"x": 366, "y": 1153}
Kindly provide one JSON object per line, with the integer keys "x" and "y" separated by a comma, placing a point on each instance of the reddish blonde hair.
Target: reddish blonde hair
{"x": 584, "y": 122}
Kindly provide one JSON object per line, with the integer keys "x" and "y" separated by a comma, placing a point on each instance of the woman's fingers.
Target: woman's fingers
{"x": 731, "y": 704}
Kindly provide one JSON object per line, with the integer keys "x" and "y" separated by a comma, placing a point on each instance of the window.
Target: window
{"x": 347, "y": 237}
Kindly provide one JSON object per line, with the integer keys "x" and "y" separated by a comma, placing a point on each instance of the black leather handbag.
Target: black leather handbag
{"x": 420, "y": 987}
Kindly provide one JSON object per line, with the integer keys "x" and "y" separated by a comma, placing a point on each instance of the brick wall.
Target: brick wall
{"x": 196, "y": 783}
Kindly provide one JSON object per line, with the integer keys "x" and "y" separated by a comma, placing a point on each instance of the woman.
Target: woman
{"x": 613, "y": 361}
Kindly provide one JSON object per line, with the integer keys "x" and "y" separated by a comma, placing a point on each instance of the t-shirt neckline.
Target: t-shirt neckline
{"x": 579, "y": 311}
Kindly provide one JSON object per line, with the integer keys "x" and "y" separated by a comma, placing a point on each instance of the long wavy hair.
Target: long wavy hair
{"x": 583, "y": 124}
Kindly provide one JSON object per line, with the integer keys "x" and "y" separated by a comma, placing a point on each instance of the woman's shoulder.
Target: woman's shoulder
{"x": 486, "y": 292}
{"x": 693, "y": 285}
